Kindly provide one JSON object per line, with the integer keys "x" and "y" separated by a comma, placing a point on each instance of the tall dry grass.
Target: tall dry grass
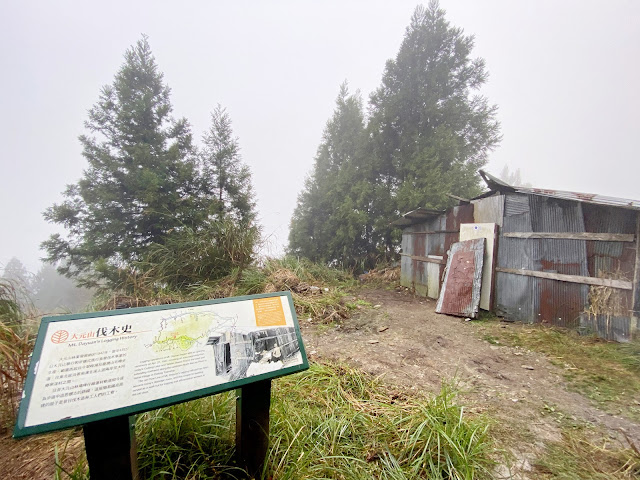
{"x": 16, "y": 344}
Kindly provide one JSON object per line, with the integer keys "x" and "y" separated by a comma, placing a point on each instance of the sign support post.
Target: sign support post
{"x": 252, "y": 426}
{"x": 111, "y": 448}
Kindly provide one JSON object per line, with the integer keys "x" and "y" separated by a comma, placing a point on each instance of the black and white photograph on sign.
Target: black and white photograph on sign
{"x": 244, "y": 354}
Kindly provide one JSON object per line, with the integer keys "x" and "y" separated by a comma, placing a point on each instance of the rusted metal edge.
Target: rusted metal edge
{"x": 600, "y": 237}
{"x": 603, "y": 282}
{"x": 423, "y": 259}
{"x": 456, "y": 197}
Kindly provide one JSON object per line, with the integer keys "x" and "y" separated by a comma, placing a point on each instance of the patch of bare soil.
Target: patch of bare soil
{"x": 34, "y": 457}
{"x": 405, "y": 342}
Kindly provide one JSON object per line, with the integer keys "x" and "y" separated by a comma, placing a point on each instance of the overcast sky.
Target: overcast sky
{"x": 565, "y": 75}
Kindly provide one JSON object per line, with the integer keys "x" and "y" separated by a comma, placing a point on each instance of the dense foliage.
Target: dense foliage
{"x": 427, "y": 134}
{"x": 145, "y": 185}
{"x": 229, "y": 179}
{"x": 330, "y": 221}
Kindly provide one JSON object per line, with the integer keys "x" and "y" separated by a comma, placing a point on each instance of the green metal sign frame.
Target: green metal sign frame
{"x": 21, "y": 430}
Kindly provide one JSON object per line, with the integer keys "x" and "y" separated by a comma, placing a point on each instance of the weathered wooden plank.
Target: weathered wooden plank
{"x": 599, "y": 237}
{"x": 603, "y": 282}
{"x": 424, "y": 259}
{"x": 431, "y": 232}
{"x": 635, "y": 295}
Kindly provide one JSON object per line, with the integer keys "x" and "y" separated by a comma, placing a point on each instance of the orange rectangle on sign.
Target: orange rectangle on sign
{"x": 269, "y": 312}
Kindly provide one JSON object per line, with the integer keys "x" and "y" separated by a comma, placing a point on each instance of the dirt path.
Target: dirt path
{"x": 420, "y": 349}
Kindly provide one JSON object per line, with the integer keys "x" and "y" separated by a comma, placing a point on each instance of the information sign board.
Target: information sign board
{"x": 93, "y": 366}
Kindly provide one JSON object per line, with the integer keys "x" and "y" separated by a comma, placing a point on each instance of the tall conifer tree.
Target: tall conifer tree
{"x": 430, "y": 130}
{"x": 141, "y": 181}
{"x": 329, "y": 222}
{"x": 227, "y": 178}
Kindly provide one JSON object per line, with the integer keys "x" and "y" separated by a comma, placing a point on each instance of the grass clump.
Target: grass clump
{"x": 11, "y": 313}
{"x": 577, "y": 457}
{"x": 190, "y": 440}
{"x": 318, "y": 291}
{"x": 606, "y": 372}
{"x": 329, "y": 422}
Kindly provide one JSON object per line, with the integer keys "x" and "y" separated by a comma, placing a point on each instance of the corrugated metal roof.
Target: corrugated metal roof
{"x": 413, "y": 217}
{"x": 497, "y": 185}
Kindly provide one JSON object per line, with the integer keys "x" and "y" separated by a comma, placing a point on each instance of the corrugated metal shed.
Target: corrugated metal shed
{"x": 569, "y": 303}
{"x": 564, "y": 258}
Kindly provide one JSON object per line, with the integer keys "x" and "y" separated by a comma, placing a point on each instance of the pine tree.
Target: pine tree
{"x": 55, "y": 293}
{"x": 329, "y": 222}
{"x": 430, "y": 130}
{"x": 19, "y": 281}
{"x": 141, "y": 181}
{"x": 228, "y": 179}
{"x": 15, "y": 271}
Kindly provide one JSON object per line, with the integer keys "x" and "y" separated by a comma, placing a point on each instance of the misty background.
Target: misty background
{"x": 563, "y": 74}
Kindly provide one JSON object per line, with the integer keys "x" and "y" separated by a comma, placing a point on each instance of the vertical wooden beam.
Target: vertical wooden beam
{"x": 494, "y": 264}
{"x": 111, "y": 449}
{"x": 252, "y": 426}
{"x": 635, "y": 296}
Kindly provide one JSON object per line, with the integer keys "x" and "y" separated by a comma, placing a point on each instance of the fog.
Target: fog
{"x": 564, "y": 75}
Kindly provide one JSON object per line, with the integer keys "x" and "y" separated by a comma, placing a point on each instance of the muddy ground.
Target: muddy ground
{"x": 402, "y": 340}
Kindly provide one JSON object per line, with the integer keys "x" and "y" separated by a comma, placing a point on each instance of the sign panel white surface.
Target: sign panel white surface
{"x": 140, "y": 359}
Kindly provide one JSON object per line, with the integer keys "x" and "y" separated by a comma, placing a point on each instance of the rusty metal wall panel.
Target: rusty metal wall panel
{"x": 610, "y": 259}
{"x": 515, "y": 293}
{"x": 516, "y": 204}
{"x": 489, "y": 210}
{"x": 417, "y": 274}
{"x": 560, "y": 303}
{"x": 531, "y": 299}
{"x": 452, "y": 221}
{"x": 457, "y": 216}
{"x": 460, "y": 293}
{"x": 609, "y": 327}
